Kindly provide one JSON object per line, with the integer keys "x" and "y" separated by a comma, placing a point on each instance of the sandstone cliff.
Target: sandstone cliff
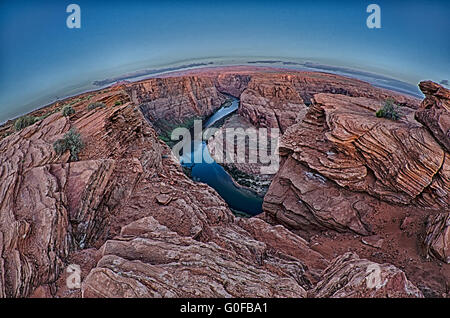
{"x": 434, "y": 111}
{"x": 347, "y": 170}
{"x": 175, "y": 99}
{"x": 277, "y": 99}
{"x": 139, "y": 227}
{"x": 129, "y": 201}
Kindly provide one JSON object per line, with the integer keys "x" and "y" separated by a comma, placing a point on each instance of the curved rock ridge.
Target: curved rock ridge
{"x": 437, "y": 194}
{"x": 148, "y": 260}
{"x": 437, "y": 239}
{"x": 340, "y": 152}
{"x": 348, "y": 276}
{"x": 341, "y": 139}
{"x": 434, "y": 112}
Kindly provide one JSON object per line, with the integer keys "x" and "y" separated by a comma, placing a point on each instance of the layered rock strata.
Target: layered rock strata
{"x": 138, "y": 227}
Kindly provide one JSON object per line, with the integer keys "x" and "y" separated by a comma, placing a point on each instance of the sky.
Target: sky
{"x": 40, "y": 57}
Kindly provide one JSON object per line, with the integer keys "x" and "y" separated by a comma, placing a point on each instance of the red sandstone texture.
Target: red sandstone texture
{"x": 354, "y": 193}
{"x": 347, "y": 170}
{"x": 434, "y": 111}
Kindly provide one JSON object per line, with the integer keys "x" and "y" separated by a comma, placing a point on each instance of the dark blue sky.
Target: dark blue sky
{"x": 40, "y": 56}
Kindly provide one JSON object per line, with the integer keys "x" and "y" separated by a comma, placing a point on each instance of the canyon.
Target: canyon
{"x": 353, "y": 192}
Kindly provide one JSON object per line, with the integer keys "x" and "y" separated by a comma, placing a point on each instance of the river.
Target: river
{"x": 208, "y": 171}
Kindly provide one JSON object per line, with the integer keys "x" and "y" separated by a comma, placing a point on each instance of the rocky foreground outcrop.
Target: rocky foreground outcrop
{"x": 437, "y": 240}
{"x": 341, "y": 140}
{"x": 272, "y": 102}
{"x": 434, "y": 111}
{"x": 351, "y": 277}
{"x": 148, "y": 260}
{"x": 345, "y": 169}
{"x": 139, "y": 227}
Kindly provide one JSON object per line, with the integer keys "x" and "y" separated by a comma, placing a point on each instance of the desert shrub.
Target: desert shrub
{"x": 48, "y": 114}
{"x": 165, "y": 127}
{"x": 59, "y": 146}
{"x": 68, "y": 110}
{"x": 389, "y": 110}
{"x": 42, "y": 117}
{"x": 117, "y": 103}
{"x": 75, "y": 101}
{"x": 24, "y": 121}
{"x": 71, "y": 141}
{"x": 95, "y": 105}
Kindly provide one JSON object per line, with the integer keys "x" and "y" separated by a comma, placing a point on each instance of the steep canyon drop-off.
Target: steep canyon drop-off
{"x": 352, "y": 190}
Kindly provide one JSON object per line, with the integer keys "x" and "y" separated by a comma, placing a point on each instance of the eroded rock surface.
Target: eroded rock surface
{"x": 48, "y": 205}
{"x": 348, "y": 276}
{"x": 271, "y": 103}
{"x": 341, "y": 158}
{"x": 148, "y": 260}
{"x": 175, "y": 99}
{"x": 277, "y": 99}
{"x": 347, "y": 170}
{"x": 139, "y": 227}
{"x": 437, "y": 238}
{"x": 434, "y": 111}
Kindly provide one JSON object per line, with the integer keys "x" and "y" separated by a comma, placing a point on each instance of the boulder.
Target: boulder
{"x": 434, "y": 111}
{"x": 437, "y": 239}
{"x": 341, "y": 160}
{"x": 148, "y": 260}
{"x": 348, "y": 276}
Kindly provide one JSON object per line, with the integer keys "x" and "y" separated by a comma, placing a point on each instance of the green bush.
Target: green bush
{"x": 71, "y": 141}
{"x": 165, "y": 128}
{"x": 42, "y": 117}
{"x": 95, "y": 105}
{"x": 25, "y": 121}
{"x": 389, "y": 110}
{"x": 117, "y": 103}
{"x": 68, "y": 110}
